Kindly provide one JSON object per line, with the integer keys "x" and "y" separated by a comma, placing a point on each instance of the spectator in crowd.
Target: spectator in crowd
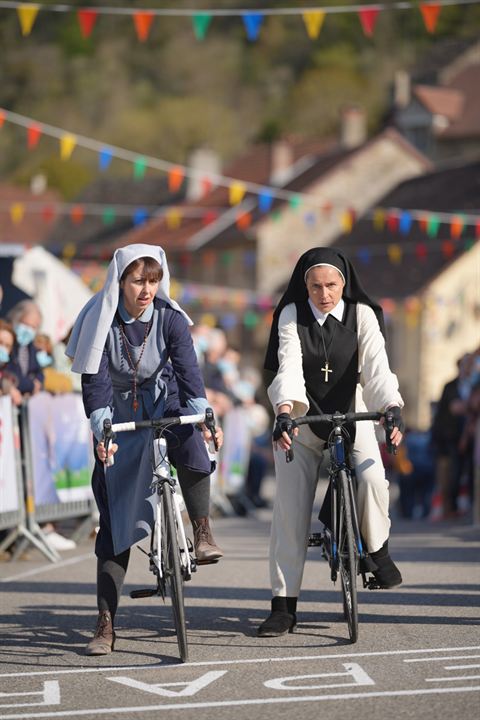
{"x": 8, "y": 381}
{"x": 26, "y": 319}
{"x": 55, "y": 382}
{"x": 447, "y": 429}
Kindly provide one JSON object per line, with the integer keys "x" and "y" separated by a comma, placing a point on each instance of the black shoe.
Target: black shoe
{"x": 278, "y": 623}
{"x": 387, "y": 574}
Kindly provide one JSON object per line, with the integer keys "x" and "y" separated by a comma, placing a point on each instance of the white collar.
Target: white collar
{"x": 145, "y": 317}
{"x": 337, "y": 311}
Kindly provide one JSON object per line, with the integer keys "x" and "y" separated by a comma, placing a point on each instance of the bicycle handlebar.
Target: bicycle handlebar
{"x": 109, "y": 429}
{"x": 340, "y": 419}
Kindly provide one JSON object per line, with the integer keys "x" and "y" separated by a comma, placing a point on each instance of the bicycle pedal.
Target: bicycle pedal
{"x": 371, "y": 583}
{"x": 315, "y": 540}
{"x": 147, "y": 592}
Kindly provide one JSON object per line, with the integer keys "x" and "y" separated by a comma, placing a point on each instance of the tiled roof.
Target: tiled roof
{"x": 450, "y": 190}
{"x": 440, "y": 100}
{"x": 467, "y": 124}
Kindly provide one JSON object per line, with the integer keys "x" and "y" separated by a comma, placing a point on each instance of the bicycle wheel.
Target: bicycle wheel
{"x": 173, "y": 572}
{"x": 348, "y": 559}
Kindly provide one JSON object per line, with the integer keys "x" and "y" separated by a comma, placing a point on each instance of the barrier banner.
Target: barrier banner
{"x": 61, "y": 448}
{"x": 9, "y": 496}
{"x": 235, "y": 453}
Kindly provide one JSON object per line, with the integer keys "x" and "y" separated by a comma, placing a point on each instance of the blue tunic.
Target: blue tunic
{"x": 123, "y": 492}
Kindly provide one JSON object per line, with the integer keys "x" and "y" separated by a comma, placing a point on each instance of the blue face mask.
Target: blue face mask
{"x": 25, "y": 334}
{"x": 4, "y": 354}
{"x": 43, "y": 358}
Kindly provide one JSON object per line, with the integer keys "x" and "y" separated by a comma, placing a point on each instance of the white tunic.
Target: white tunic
{"x": 379, "y": 385}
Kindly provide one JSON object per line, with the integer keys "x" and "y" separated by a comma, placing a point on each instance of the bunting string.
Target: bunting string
{"x": 313, "y": 17}
{"x": 237, "y": 189}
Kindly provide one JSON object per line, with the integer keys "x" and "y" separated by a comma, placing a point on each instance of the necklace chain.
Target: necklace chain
{"x": 134, "y": 366}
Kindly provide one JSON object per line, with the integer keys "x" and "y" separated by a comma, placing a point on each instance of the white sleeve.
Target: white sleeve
{"x": 289, "y": 384}
{"x": 379, "y": 384}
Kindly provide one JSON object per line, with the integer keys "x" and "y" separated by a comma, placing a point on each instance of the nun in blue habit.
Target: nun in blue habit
{"x": 132, "y": 345}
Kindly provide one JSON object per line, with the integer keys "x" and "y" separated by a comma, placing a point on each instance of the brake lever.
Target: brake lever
{"x": 108, "y": 437}
{"x": 389, "y": 428}
{"x": 210, "y": 425}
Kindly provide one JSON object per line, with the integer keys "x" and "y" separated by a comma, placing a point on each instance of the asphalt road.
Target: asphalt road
{"x": 418, "y": 655}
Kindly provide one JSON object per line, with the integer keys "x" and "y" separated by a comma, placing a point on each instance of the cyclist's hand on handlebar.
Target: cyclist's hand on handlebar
{"x": 112, "y": 449}
{"x": 218, "y": 435}
{"x": 395, "y": 425}
{"x": 283, "y": 432}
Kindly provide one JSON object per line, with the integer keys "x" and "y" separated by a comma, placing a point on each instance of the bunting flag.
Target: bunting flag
{"x": 237, "y": 193}
{"x": 105, "y": 158}
{"x": 201, "y": 23}
{"x": 430, "y": 13}
{"x": 77, "y": 214}
{"x": 34, "y": 133}
{"x": 206, "y": 184}
{"x": 140, "y": 216}
{"x": 295, "y": 201}
{"x": 252, "y": 23}
{"x": 265, "y": 200}
{"x": 379, "y": 219}
{"x": 395, "y": 254}
{"x": 433, "y": 225}
{"x": 67, "y": 145}
{"x": 405, "y": 222}
{"x": 17, "y": 212}
{"x": 109, "y": 216}
{"x": 48, "y": 213}
{"x": 175, "y": 179}
{"x": 456, "y": 227}
{"x": 313, "y": 20}
{"x": 368, "y": 20}
{"x": 448, "y": 249}
{"x": 27, "y": 14}
{"x": 2, "y": 118}
{"x": 87, "y": 20}
{"x": 139, "y": 168}
{"x": 421, "y": 251}
{"x": 143, "y": 22}
{"x": 173, "y": 219}
{"x": 243, "y": 220}
{"x": 346, "y": 221}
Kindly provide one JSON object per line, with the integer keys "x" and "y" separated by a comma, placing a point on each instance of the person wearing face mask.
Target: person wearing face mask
{"x": 55, "y": 382}
{"x": 8, "y": 381}
{"x": 26, "y": 319}
{"x": 326, "y": 353}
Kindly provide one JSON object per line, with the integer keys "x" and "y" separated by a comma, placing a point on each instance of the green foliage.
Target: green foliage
{"x": 173, "y": 93}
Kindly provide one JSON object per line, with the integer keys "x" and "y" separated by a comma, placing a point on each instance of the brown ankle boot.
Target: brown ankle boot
{"x": 206, "y": 550}
{"x": 104, "y": 638}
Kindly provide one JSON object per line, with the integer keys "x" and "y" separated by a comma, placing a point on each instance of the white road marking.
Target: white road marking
{"x": 44, "y": 568}
{"x": 297, "y": 658}
{"x": 189, "y": 688}
{"x": 460, "y": 677}
{"x": 461, "y": 667}
{"x": 50, "y": 696}
{"x": 236, "y": 703}
{"x": 353, "y": 671}
{"x": 438, "y": 659}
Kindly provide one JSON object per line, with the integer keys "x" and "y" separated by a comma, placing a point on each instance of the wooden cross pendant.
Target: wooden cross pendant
{"x": 326, "y": 370}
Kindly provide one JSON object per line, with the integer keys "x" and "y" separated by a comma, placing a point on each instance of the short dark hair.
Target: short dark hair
{"x": 152, "y": 270}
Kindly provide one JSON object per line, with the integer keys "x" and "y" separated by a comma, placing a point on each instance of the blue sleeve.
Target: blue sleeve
{"x": 97, "y": 389}
{"x": 184, "y": 361}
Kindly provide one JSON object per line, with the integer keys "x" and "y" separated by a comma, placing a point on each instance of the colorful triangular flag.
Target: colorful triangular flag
{"x": 143, "y": 22}
{"x": 236, "y": 193}
{"x": 87, "y": 20}
{"x": 313, "y": 20}
{"x": 2, "y": 118}
{"x": 175, "y": 179}
{"x": 34, "y": 133}
{"x": 105, "y": 158}
{"x": 17, "y": 211}
{"x": 139, "y": 168}
{"x": 430, "y": 13}
{"x": 368, "y": 19}
{"x": 201, "y": 23}
{"x": 67, "y": 145}
{"x": 252, "y": 22}
{"x": 27, "y": 14}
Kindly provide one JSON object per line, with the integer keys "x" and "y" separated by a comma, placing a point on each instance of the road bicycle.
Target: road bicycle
{"x": 171, "y": 552}
{"x": 341, "y": 542}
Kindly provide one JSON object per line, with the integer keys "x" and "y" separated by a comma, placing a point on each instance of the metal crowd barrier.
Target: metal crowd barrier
{"x": 35, "y": 429}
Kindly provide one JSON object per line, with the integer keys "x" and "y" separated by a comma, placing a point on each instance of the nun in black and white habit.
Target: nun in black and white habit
{"x": 134, "y": 369}
{"x": 322, "y": 363}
